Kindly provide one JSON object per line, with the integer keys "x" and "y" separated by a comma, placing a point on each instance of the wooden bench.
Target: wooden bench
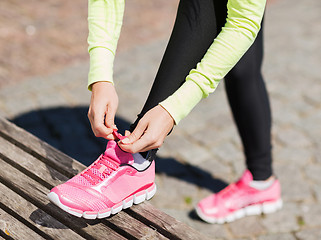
{"x": 29, "y": 168}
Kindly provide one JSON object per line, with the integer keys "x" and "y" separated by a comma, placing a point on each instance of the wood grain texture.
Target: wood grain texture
{"x": 39, "y": 149}
{"x": 30, "y": 168}
{"x": 49, "y": 178}
{"x": 33, "y": 216}
{"x": 35, "y": 193}
{"x": 15, "y": 229}
{"x": 165, "y": 224}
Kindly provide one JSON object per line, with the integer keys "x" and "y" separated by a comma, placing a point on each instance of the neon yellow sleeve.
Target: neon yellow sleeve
{"x": 105, "y": 19}
{"x": 242, "y": 25}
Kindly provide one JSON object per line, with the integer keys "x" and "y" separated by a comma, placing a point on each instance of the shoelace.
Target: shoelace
{"x": 103, "y": 165}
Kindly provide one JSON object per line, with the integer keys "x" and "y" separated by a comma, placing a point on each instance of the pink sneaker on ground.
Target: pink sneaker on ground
{"x": 238, "y": 200}
{"x": 112, "y": 183}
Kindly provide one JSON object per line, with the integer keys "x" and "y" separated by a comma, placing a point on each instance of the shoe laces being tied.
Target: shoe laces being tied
{"x": 107, "y": 163}
{"x": 103, "y": 167}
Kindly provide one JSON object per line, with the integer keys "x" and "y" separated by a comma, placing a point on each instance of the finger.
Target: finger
{"x": 110, "y": 118}
{"x": 110, "y": 137}
{"x": 141, "y": 145}
{"x": 136, "y": 134}
{"x": 104, "y": 132}
{"x": 99, "y": 128}
{"x": 127, "y": 133}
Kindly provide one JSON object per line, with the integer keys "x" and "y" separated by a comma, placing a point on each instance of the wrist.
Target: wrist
{"x": 100, "y": 84}
{"x": 168, "y": 114}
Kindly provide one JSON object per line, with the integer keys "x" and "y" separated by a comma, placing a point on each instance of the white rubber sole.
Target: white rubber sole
{"x": 256, "y": 209}
{"x": 126, "y": 203}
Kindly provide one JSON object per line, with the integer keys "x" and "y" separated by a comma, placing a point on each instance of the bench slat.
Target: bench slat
{"x": 39, "y": 149}
{"x": 35, "y": 193}
{"x": 49, "y": 177}
{"x": 164, "y": 223}
{"x": 67, "y": 166}
{"x": 30, "y": 165}
{"x": 2, "y": 234}
{"x": 35, "y": 216}
{"x": 14, "y": 228}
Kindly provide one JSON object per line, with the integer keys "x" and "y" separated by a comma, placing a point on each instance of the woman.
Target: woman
{"x": 208, "y": 40}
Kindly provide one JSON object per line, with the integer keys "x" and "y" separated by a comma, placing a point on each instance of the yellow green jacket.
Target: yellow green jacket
{"x": 242, "y": 25}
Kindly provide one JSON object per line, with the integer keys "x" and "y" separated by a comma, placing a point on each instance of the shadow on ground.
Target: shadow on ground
{"x": 68, "y": 129}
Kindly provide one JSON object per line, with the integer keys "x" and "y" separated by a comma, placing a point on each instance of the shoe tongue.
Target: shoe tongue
{"x": 246, "y": 178}
{"x": 114, "y": 152}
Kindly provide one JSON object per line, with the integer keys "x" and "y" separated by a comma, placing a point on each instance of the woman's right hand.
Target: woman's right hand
{"x": 102, "y": 109}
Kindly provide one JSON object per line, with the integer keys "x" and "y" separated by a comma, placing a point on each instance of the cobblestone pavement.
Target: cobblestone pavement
{"x": 204, "y": 152}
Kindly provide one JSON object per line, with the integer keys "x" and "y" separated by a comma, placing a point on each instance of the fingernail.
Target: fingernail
{"x": 125, "y": 140}
{"x": 115, "y": 127}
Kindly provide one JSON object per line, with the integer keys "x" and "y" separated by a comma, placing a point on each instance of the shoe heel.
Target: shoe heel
{"x": 272, "y": 207}
{"x": 150, "y": 192}
{"x": 145, "y": 195}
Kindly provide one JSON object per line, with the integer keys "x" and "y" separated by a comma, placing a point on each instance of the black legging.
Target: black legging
{"x": 197, "y": 24}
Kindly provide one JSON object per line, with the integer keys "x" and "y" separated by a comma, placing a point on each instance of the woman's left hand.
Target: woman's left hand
{"x": 150, "y": 131}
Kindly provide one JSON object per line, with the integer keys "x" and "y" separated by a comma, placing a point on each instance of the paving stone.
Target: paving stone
{"x": 294, "y": 186}
{"x": 217, "y": 168}
{"x": 207, "y": 136}
{"x": 170, "y": 166}
{"x": 293, "y": 138}
{"x": 317, "y": 191}
{"x": 313, "y": 96}
{"x": 309, "y": 234}
{"x": 284, "y": 116}
{"x": 282, "y": 221}
{"x": 238, "y": 168}
{"x": 294, "y": 156}
{"x": 247, "y": 227}
{"x": 278, "y": 236}
{"x": 187, "y": 151}
{"x": 227, "y": 152}
{"x": 310, "y": 125}
{"x": 313, "y": 172}
{"x": 211, "y": 111}
{"x": 213, "y": 231}
{"x": 174, "y": 193}
{"x": 311, "y": 215}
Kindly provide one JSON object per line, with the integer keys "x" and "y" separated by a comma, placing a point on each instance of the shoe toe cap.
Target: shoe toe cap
{"x": 77, "y": 198}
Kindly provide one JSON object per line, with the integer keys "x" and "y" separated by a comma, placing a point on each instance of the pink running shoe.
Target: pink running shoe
{"x": 112, "y": 183}
{"x": 238, "y": 200}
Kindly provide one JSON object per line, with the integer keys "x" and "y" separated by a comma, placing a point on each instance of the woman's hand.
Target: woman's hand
{"x": 102, "y": 109}
{"x": 150, "y": 131}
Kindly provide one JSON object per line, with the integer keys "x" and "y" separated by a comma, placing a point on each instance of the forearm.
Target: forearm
{"x": 104, "y": 24}
{"x": 238, "y": 34}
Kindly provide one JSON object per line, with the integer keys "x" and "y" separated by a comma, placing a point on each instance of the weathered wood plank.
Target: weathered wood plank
{"x": 135, "y": 227}
{"x": 35, "y": 193}
{"x": 30, "y": 165}
{"x": 48, "y": 177}
{"x": 165, "y": 224}
{"x": 2, "y": 234}
{"x": 15, "y": 229}
{"x": 34, "y": 216}
{"x": 39, "y": 149}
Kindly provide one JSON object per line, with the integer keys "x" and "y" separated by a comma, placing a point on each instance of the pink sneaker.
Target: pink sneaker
{"x": 238, "y": 200}
{"x": 112, "y": 183}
